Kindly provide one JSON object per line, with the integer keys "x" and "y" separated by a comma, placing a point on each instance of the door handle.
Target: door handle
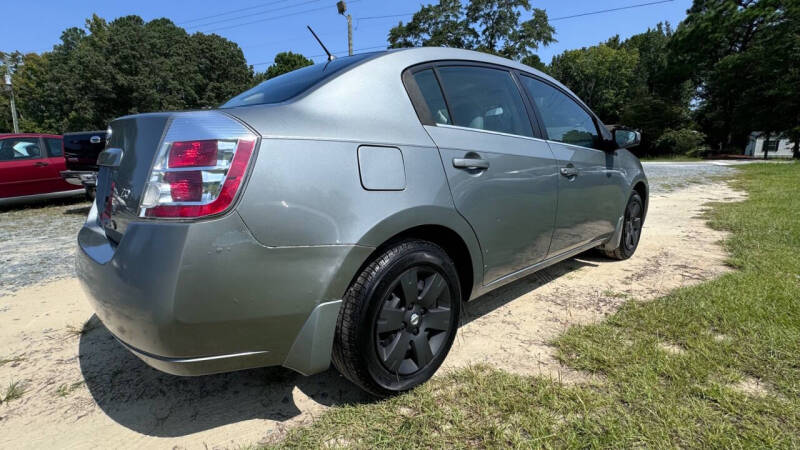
{"x": 569, "y": 171}
{"x": 41, "y": 164}
{"x": 470, "y": 163}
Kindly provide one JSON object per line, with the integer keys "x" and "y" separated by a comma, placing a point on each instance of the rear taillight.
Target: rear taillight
{"x": 199, "y": 168}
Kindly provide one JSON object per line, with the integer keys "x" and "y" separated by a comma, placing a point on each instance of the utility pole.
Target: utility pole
{"x": 13, "y": 105}
{"x": 342, "y": 7}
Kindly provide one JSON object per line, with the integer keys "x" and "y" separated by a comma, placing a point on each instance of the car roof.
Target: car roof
{"x": 21, "y": 135}
{"x": 420, "y": 55}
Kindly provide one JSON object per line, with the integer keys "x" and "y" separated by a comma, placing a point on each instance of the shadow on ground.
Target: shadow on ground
{"x": 500, "y": 296}
{"x": 79, "y": 211}
{"x": 157, "y": 404}
{"x": 43, "y": 203}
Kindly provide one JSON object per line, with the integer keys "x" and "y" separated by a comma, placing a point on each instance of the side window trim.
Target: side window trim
{"x": 438, "y": 77}
{"x": 566, "y": 94}
{"x": 533, "y": 113}
{"x": 415, "y": 93}
{"x": 425, "y": 116}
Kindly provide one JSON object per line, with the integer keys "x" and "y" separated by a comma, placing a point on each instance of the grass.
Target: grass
{"x": 671, "y": 158}
{"x": 66, "y": 389}
{"x": 14, "y": 391}
{"x": 87, "y": 326}
{"x": 739, "y": 328}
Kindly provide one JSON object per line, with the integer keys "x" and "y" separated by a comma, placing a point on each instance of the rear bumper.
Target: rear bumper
{"x": 206, "y": 297}
{"x": 80, "y": 177}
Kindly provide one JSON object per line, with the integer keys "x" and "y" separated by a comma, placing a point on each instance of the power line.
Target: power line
{"x": 291, "y": 39}
{"x": 610, "y": 10}
{"x": 232, "y": 11}
{"x": 557, "y": 18}
{"x": 359, "y": 19}
{"x": 229, "y": 19}
{"x": 273, "y": 18}
{"x": 385, "y": 17}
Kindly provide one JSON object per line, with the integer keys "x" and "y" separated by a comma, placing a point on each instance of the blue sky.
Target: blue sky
{"x": 265, "y": 27}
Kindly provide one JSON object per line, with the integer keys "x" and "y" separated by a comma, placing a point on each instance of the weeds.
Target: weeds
{"x": 14, "y": 391}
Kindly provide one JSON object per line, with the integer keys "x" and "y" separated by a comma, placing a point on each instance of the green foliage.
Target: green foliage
{"x": 284, "y": 62}
{"x": 630, "y": 82}
{"x": 737, "y": 54}
{"x": 491, "y": 26}
{"x": 535, "y": 62}
{"x": 601, "y": 76}
{"x": 125, "y": 66}
{"x": 684, "y": 141}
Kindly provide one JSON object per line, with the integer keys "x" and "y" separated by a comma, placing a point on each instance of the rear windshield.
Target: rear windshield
{"x": 289, "y": 85}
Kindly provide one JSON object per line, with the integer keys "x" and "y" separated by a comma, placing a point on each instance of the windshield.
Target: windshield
{"x": 289, "y": 85}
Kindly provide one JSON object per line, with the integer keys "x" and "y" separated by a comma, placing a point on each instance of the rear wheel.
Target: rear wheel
{"x": 631, "y": 229}
{"x": 398, "y": 319}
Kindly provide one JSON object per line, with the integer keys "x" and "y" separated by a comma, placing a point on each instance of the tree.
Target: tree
{"x": 284, "y": 62}
{"x": 601, "y": 76}
{"x": 491, "y": 26}
{"x": 659, "y": 100}
{"x": 736, "y": 54}
{"x": 630, "y": 82}
{"x": 126, "y": 66}
{"x": 535, "y": 62}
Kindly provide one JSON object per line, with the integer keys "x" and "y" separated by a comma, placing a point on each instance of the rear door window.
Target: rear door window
{"x": 432, "y": 93}
{"x": 564, "y": 120}
{"x": 54, "y": 147}
{"x": 13, "y": 149}
{"x": 485, "y": 99}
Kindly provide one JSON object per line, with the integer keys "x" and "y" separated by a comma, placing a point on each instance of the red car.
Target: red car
{"x": 30, "y": 166}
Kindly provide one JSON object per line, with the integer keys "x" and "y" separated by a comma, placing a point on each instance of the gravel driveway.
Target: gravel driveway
{"x": 38, "y": 242}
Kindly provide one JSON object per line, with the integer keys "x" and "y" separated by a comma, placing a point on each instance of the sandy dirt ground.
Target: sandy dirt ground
{"x": 83, "y": 390}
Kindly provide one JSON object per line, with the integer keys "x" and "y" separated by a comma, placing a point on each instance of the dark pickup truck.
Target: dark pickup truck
{"x": 80, "y": 151}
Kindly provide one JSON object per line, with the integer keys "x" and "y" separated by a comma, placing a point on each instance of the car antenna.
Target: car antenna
{"x": 330, "y": 55}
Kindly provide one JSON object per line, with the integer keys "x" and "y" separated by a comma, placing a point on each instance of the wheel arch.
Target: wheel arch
{"x": 640, "y": 187}
{"x": 447, "y": 230}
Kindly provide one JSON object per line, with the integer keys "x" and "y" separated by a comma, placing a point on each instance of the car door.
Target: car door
{"x": 55, "y": 165}
{"x": 23, "y": 168}
{"x": 589, "y": 183}
{"x": 502, "y": 177}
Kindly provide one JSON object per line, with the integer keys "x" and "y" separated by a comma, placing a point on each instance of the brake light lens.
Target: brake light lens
{"x": 193, "y": 154}
{"x": 200, "y": 177}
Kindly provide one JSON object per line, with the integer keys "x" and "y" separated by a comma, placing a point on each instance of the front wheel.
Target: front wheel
{"x": 398, "y": 319}
{"x": 631, "y": 229}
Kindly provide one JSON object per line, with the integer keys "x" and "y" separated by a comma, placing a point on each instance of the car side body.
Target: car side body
{"x": 29, "y": 168}
{"x": 339, "y": 172}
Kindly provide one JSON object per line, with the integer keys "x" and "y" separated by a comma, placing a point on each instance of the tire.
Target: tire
{"x": 398, "y": 319}
{"x": 631, "y": 229}
{"x": 90, "y": 193}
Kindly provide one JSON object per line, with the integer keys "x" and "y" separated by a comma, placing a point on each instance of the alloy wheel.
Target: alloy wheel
{"x": 633, "y": 225}
{"x": 414, "y": 322}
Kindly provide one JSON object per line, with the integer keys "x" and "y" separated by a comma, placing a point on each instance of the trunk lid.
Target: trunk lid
{"x": 120, "y": 184}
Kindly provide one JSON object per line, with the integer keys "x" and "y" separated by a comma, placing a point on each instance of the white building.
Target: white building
{"x": 776, "y": 148}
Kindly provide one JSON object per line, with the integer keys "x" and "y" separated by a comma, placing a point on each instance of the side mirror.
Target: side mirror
{"x": 627, "y": 138}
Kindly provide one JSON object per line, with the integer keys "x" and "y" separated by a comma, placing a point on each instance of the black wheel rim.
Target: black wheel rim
{"x": 414, "y": 321}
{"x": 633, "y": 225}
